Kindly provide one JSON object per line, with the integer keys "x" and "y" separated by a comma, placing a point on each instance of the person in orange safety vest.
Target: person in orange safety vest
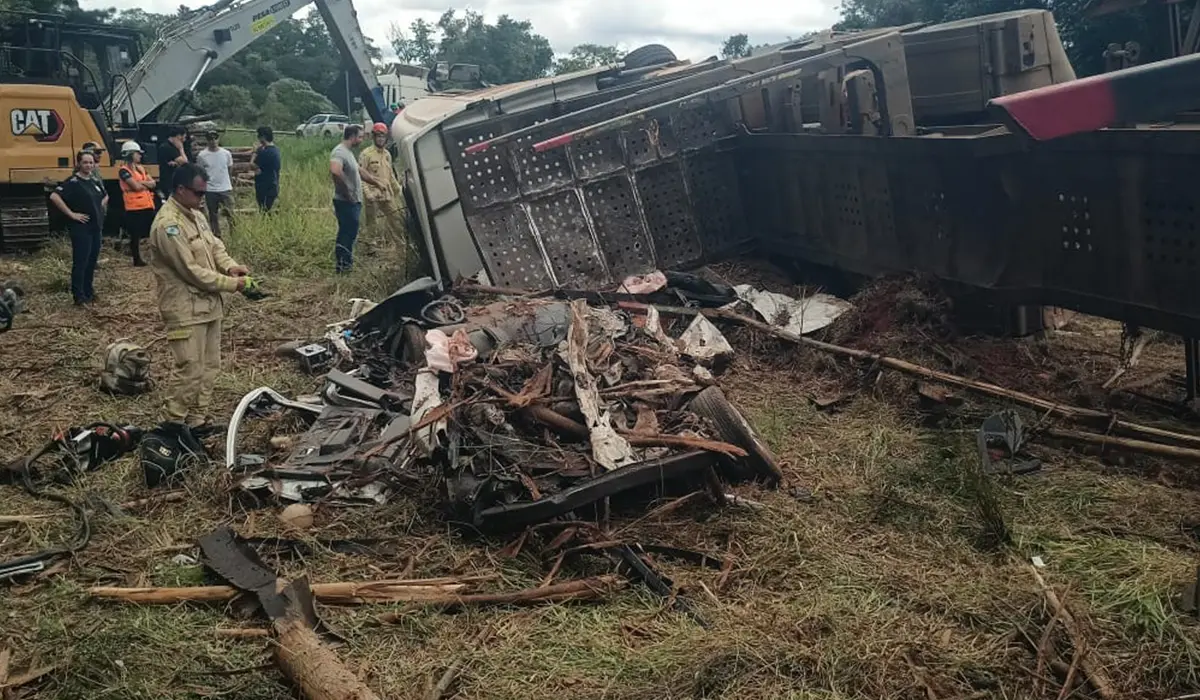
{"x": 137, "y": 193}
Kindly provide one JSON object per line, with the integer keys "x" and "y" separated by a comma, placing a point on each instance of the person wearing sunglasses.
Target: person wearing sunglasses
{"x": 193, "y": 271}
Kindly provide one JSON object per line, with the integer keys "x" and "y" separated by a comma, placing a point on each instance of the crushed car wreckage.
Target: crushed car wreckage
{"x": 523, "y": 408}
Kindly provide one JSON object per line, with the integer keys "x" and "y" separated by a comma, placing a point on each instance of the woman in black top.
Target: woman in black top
{"x": 84, "y": 201}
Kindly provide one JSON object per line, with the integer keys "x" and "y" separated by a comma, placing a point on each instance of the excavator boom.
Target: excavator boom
{"x": 187, "y": 50}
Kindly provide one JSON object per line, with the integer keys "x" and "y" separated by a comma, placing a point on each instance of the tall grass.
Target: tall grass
{"x": 296, "y": 238}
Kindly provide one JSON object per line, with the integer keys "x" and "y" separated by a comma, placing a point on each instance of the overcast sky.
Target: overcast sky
{"x": 694, "y": 29}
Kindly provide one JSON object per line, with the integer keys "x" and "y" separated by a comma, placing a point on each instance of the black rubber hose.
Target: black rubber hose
{"x": 83, "y": 532}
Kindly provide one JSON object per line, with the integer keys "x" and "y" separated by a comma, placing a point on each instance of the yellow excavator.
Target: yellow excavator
{"x": 51, "y": 73}
{"x": 64, "y": 84}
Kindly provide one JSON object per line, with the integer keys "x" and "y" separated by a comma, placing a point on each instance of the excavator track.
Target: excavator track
{"x": 24, "y": 223}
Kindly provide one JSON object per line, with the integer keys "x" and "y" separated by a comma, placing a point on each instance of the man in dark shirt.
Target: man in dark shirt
{"x": 266, "y": 164}
{"x": 171, "y": 155}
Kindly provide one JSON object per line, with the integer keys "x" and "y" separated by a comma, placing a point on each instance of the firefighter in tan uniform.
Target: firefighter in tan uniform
{"x": 381, "y": 197}
{"x": 193, "y": 271}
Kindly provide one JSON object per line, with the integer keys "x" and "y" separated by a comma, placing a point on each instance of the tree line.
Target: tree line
{"x": 295, "y": 70}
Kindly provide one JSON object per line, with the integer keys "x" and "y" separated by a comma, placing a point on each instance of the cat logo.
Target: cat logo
{"x": 42, "y": 124}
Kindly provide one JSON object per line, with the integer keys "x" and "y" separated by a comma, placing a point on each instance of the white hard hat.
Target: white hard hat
{"x": 130, "y": 147}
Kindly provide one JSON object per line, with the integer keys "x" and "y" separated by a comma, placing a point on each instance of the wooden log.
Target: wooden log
{"x": 579, "y": 589}
{"x": 14, "y": 682}
{"x": 564, "y": 425}
{"x": 332, "y": 593}
{"x": 312, "y": 667}
{"x": 242, "y": 632}
{"x": 1127, "y": 444}
{"x": 168, "y": 497}
{"x": 19, "y": 519}
{"x": 1094, "y": 671}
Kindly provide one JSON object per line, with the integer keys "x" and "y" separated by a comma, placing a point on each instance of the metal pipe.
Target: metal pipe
{"x": 208, "y": 59}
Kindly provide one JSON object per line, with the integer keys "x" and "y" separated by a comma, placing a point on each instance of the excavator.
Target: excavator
{"x": 64, "y": 84}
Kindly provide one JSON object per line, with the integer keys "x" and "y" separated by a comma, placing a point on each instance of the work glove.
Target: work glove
{"x": 252, "y": 291}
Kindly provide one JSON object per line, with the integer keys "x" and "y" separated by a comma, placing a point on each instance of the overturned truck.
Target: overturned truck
{"x": 931, "y": 149}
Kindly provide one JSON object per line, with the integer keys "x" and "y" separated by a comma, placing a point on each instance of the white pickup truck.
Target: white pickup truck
{"x": 327, "y": 125}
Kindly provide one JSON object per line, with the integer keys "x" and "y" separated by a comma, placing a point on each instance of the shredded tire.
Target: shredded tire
{"x": 732, "y": 427}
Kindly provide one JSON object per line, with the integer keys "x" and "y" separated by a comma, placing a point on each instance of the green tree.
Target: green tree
{"x": 68, "y": 8}
{"x": 736, "y": 46}
{"x": 148, "y": 23}
{"x": 418, "y": 46}
{"x": 291, "y": 101}
{"x": 506, "y": 52}
{"x": 232, "y": 103}
{"x": 297, "y": 49}
{"x": 587, "y": 56}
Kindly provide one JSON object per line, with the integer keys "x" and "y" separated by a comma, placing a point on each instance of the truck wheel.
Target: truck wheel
{"x": 648, "y": 55}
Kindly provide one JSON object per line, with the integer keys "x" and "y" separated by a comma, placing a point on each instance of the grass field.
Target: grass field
{"x": 862, "y": 578}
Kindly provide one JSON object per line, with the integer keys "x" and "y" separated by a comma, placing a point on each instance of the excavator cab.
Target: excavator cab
{"x": 46, "y": 49}
{"x": 54, "y": 75}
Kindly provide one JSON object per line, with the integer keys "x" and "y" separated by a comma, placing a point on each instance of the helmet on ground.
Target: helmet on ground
{"x": 130, "y": 147}
{"x": 379, "y": 128}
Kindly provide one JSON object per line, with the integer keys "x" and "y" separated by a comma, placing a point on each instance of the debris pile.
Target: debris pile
{"x": 522, "y": 409}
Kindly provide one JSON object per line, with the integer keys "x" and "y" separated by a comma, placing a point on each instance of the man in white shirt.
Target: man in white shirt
{"x": 217, "y": 163}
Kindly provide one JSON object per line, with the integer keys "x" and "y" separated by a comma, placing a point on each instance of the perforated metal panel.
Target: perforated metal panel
{"x": 485, "y": 178}
{"x": 567, "y": 240}
{"x": 597, "y": 157}
{"x": 618, "y": 224}
{"x": 1169, "y": 218}
{"x": 1105, "y": 223}
{"x": 509, "y": 248}
{"x": 695, "y": 128}
{"x": 654, "y": 194}
{"x": 668, "y": 213}
{"x": 539, "y": 172}
{"x": 716, "y": 200}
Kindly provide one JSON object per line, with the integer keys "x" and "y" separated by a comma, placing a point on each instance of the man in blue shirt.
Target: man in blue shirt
{"x": 266, "y": 164}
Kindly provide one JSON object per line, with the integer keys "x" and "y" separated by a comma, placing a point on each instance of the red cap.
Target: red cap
{"x": 379, "y": 128}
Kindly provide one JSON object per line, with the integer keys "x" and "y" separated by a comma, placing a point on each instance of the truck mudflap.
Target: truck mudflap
{"x": 1152, "y": 92}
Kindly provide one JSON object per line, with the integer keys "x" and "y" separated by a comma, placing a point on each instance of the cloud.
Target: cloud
{"x": 694, "y": 29}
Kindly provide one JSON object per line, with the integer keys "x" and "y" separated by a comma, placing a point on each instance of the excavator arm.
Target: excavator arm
{"x": 187, "y": 50}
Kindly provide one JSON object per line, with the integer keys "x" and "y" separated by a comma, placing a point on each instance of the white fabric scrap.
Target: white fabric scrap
{"x": 797, "y": 316}
{"x": 608, "y": 448}
{"x": 655, "y": 330}
{"x": 703, "y": 342}
{"x": 426, "y": 397}
{"x": 337, "y": 336}
{"x": 360, "y": 306}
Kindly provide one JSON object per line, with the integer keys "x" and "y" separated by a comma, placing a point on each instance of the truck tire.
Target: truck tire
{"x": 648, "y": 55}
{"x": 731, "y": 427}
